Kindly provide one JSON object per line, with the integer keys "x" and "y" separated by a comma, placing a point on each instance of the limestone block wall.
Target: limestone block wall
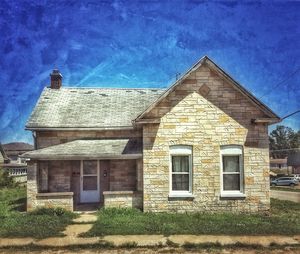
{"x": 60, "y": 187}
{"x": 123, "y": 175}
{"x": 123, "y": 199}
{"x": 32, "y": 185}
{"x": 50, "y": 200}
{"x": 205, "y": 112}
{"x": 51, "y": 138}
{"x": 139, "y": 174}
{"x": 59, "y": 176}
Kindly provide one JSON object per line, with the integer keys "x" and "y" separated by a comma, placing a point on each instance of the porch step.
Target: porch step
{"x": 86, "y": 218}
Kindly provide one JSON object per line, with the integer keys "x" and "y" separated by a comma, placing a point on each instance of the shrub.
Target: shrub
{"x": 5, "y": 179}
{"x": 56, "y": 211}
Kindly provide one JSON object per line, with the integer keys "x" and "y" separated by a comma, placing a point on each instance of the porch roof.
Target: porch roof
{"x": 90, "y": 149}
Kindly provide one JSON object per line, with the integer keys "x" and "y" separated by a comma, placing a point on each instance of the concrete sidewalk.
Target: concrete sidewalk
{"x": 286, "y": 195}
{"x": 151, "y": 240}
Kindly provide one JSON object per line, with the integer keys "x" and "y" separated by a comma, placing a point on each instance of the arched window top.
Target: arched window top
{"x": 231, "y": 149}
{"x": 181, "y": 149}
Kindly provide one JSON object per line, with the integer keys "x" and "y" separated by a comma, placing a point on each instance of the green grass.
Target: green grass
{"x": 40, "y": 223}
{"x": 284, "y": 220}
{"x": 285, "y": 189}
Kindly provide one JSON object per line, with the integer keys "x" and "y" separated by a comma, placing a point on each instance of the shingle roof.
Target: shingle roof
{"x": 90, "y": 107}
{"x": 89, "y": 149}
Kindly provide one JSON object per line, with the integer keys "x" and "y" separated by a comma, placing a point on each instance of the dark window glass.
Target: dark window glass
{"x": 89, "y": 167}
{"x": 89, "y": 183}
{"x": 180, "y": 173}
{"x": 180, "y": 164}
{"x": 231, "y": 172}
{"x": 231, "y": 163}
{"x": 180, "y": 182}
{"x": 231, "y": 182}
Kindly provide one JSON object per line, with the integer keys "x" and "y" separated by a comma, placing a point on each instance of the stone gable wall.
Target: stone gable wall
{"x": 205, "y": 112}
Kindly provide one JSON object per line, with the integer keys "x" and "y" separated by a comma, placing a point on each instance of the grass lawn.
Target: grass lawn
{"x": 38, "y": 224}
{"x": 285, "y": 189}
{"x": 285, "y": 220}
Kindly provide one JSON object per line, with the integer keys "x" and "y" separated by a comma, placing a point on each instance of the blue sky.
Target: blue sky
{"x": 144, "y": 44}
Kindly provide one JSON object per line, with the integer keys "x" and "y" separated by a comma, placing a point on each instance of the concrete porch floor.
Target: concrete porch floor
{"x": 87, "y": 207}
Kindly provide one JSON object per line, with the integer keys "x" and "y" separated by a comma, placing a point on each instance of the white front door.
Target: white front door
{"x": 89, "y": 181}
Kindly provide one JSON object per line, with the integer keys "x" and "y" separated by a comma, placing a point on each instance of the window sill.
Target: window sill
{"x": 237, "y": 195}
{"x": 181, "y": 196}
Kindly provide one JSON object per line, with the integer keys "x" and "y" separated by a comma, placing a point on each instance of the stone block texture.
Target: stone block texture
{"x": 205, "y": 111}
{"x": 122, "y": 175}
{"x": 34, "y": 200}
{"x": 51, "y": 138}
{"x": 124, "y": 200}
{"x": 65, "y": 201}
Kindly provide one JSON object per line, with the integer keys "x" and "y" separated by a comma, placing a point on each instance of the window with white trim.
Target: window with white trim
{"x": 180, "y": 170}
{"x": 232, "y": 171}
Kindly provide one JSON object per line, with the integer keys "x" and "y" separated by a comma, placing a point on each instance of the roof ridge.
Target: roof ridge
{"x": 111, "y": 88}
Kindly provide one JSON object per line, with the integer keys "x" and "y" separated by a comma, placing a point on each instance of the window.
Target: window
{"x": 232, "y": 168}
{"x": 180, "y": 170}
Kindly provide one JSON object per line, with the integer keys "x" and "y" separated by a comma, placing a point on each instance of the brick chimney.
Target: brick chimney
{"x": 56, "y": 79}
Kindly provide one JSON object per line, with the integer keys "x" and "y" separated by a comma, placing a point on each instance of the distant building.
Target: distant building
{"x": 294, "y": 161}
{"x": 10, "y": 160}
{"x": 278, "y": 164}
{"x": 15, "y": 149}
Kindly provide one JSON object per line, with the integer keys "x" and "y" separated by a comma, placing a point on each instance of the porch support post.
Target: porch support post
{"x": 43, "y": 177}
{"x": 139, "y": 174}
{"x": 32, "y": 184}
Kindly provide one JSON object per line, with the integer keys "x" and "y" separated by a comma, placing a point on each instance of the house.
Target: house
{"x": 279, "y": 166}
{"x": 16, "y": 166}
{"x": 15, "y": 149}
{"x": 200, "y": 145}
{"x": 294, "y": 161}
{"x": 278, "y": 163}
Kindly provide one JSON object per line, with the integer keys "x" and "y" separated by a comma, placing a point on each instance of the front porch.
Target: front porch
{"x": 87, "y": 179}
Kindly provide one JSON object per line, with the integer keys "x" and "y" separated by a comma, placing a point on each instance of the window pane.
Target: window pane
{"x": 89, "y": 167}
{"x": 231, "y": 163}
{"x": 180, "y": 163}
{"x": 89, "y": 183}
{"x": 180, "y": 182}
{"x": 231, "y": 182}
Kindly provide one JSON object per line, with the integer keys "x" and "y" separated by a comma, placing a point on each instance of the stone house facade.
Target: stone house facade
{"x": 200, "y": 145}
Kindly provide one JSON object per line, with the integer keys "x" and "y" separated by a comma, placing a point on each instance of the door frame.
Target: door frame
{"x": 98, "y": 182}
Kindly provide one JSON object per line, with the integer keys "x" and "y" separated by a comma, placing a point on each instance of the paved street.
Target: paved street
{"x": 286, "y": 195}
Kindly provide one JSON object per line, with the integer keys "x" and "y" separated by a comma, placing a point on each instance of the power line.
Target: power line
{"x": 298, "y": 111}
{"x": 284, "y": 149}
{"x": 278, "y": 84}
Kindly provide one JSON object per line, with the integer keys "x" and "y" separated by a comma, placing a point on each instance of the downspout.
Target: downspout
{"x": 34, "y": 140}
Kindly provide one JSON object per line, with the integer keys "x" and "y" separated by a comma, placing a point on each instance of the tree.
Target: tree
{"x": 5, "y": 179}
{"x": 283, "y": 138}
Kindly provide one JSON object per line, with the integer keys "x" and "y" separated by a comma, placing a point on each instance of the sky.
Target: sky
{"x": 144, "y": 44}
